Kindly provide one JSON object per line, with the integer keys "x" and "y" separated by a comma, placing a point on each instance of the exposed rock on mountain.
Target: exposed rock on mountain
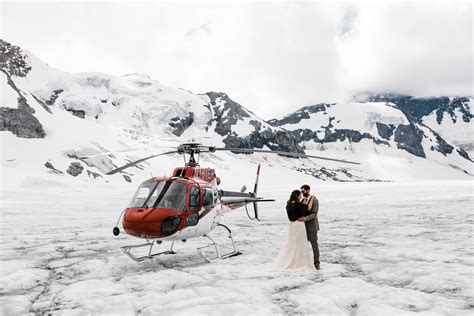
{"x": 240, "y": 128}
{"x": 419, "y": 108}
{"x": 52, "y": 169}
{"x": 450, "y": 117}
{"x": 75, "y": 169}
{"x": 21, "y": 123}
{"x": 179, "y": 125}
{"x": 226, "y": 112}
{"x": 17, "y": 115}
{"x": 409, "y": 137}
{"x": 13, "y": 61}
{"x": 303, "y": 113}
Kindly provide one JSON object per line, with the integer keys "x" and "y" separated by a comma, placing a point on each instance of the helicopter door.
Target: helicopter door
{"x": 194, "y": 206}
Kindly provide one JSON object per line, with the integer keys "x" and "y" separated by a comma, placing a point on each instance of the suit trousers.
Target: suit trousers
{"x": 313, "y": 239}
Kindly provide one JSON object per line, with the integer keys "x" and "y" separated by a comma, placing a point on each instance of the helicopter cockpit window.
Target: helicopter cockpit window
{"x": 208, "y": 198}
{"x": 163, "y": 194}
{"x": 194, "y": 199}
{"x": 144, "y": 191}
{"x": 172, "y": 195}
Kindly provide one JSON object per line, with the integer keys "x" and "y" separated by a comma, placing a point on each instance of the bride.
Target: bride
{"x": 295, "y": 253}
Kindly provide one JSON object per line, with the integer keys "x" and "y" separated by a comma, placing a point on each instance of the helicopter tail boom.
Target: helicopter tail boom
{"x": 240, "y": 199}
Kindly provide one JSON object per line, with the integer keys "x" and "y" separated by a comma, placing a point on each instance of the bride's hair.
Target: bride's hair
{"x": 294, "y": 197}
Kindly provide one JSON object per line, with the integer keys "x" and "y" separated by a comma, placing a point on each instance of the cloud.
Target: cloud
{"x": 347, "y": 23}
{"x": 204, "y": 28}
{"x": 424, "y": 49}
{"x": 272, "y": 57}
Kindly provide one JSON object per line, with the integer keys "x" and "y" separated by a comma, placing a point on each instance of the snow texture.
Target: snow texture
{"x": 386, "y": 248}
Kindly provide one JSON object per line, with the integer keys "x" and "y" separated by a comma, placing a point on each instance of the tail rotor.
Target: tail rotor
{"x": 255, "y": 188}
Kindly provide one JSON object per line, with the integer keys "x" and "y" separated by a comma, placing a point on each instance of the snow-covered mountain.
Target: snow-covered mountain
{"x": 50, "y": 119}
{"x": 133, "y": 102}
{"x": 450, "y": 117}
{"x": 383, "y": 123}
{"x": 375, "y": 126}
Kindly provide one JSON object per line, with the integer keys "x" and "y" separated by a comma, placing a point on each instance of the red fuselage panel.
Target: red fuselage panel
{"x": 146, "y": 222}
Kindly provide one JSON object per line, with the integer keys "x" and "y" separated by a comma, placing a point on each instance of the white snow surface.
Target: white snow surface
{"x": 8, "y": 96}
{"x": 386, "y": 248}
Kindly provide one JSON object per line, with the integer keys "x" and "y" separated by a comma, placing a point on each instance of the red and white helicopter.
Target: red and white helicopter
{"x": 187, "y": 204}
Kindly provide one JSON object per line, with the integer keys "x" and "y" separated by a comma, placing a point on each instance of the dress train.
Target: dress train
{"x": 295, "y": 253}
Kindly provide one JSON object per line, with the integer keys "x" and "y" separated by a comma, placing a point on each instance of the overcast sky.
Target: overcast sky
{"x": 272, "y": 57}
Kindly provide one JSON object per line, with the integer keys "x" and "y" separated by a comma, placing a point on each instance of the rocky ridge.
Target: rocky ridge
{"x": 406, "y": 134}
{"x": 17, "y": 118}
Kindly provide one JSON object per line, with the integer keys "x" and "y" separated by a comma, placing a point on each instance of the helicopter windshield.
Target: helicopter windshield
{"x": 162, "y": 194}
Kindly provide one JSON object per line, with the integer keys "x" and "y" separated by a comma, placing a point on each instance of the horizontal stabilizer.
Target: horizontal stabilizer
{"x": 228, "y": 200}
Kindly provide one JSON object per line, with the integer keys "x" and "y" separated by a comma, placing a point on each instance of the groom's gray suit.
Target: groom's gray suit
{"x": 312, "y": 224}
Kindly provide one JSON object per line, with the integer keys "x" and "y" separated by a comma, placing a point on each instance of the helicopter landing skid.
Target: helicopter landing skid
{"x": 234, "y": 252}
{"x": 127, "y": 250}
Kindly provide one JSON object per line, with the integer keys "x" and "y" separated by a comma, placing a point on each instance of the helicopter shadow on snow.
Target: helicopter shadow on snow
{"x": 185, "y": 256}
{"x": 181, "y": 260}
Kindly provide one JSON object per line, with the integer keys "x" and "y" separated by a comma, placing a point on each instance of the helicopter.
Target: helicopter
{"x": 188, "y": 204}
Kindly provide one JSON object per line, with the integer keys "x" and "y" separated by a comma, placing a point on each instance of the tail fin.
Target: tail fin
{"x": 255, "y": 188}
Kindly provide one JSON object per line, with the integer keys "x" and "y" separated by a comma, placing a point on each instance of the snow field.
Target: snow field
{"x": 396, "y": 248}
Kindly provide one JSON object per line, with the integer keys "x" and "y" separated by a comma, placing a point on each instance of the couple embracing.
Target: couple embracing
{"x": 302, "y": 209}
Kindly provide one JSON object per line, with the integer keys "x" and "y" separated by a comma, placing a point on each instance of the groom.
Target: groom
{"x": 311, "y": 221}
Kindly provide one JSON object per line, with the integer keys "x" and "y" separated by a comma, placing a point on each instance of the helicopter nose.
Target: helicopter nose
{"x": 142, "y": 222}
{"x": 136, "y": 223}
{"x": 135, "y": 215}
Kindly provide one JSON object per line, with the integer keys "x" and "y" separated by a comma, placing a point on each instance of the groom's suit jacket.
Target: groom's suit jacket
{"x": 311, "y": 220}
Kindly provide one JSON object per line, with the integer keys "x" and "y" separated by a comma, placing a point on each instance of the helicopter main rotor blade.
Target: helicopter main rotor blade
{"x": 282, "y": 153}
{"x": 105, "y": 153}
{"x": 136, "y": 162}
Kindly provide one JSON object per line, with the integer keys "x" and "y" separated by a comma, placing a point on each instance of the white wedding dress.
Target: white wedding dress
{"x": 295, "y": 253}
